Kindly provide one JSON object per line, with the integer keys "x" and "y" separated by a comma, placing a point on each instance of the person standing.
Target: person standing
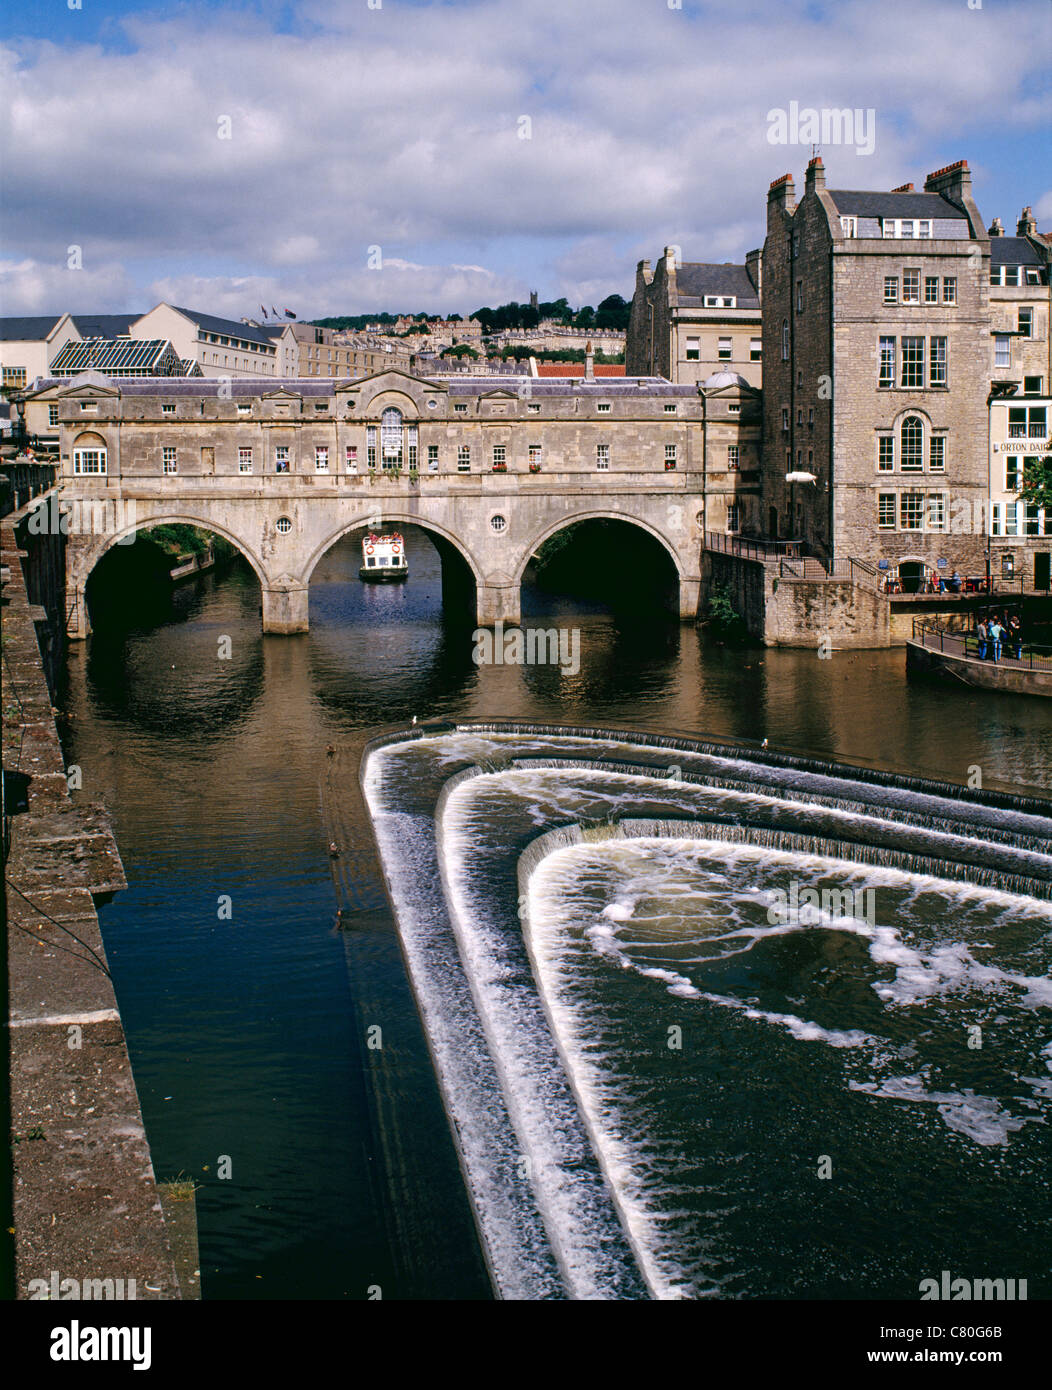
{"x": 996, "y": 634}
{"x": 1015, "y": 636}
{"x": 981, "y": 635}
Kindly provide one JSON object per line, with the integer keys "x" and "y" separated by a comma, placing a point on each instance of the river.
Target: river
{"x": 325, "y": 1167}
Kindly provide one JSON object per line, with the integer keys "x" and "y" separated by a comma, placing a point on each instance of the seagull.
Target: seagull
{"x": 763, "y": 744}
{"x": 414, "y": 718}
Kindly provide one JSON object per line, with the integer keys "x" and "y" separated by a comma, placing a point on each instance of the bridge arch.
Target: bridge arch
{"x": 403, "y": 518}
{"x": 82, "y": 559}
{"x": 605, "y": 515}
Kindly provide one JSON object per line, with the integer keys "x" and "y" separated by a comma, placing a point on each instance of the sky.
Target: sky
{"x": 348, "y": 156}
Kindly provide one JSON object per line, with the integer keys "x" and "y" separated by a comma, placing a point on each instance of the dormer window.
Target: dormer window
{"x": 906, "y": 228}
{"x": 721, "y": 301}
{"x": 849, "y": 226}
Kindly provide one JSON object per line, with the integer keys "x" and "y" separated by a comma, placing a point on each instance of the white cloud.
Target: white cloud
{"x": 400, "y": 128}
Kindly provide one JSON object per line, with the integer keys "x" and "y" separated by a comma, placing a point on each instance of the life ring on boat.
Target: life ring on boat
{"x": 369, "y": 549}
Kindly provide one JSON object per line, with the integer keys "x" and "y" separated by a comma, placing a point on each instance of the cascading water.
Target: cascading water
{"x": 713, "y": 1022}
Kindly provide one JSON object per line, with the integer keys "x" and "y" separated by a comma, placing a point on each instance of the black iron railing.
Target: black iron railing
{"x": 1027, "y": 655}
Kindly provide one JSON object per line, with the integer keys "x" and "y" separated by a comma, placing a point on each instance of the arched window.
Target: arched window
{"x": 391, "y": 438}
{"x": 785, "y": 340}
{"x": 911, "y": 444}
{"x": 89, "y": 454}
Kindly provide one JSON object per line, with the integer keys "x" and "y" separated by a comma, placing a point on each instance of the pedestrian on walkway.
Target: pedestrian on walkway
{"x": 1014, "y": 639}
{"x": 981, "y": 635}
{"x": 996, "y": 634}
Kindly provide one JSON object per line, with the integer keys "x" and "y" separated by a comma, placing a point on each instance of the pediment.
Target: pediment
{"x": 282, "y": 393}
{"x": 89, "y": 384}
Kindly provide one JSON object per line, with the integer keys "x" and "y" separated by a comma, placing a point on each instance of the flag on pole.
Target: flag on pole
{"x": 263, "y": 310}
{"x": 274, "y": 311}
{"x": 289, "y": 314}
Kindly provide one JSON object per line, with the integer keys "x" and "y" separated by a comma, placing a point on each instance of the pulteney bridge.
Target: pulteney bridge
{"x": 489, "y": 467}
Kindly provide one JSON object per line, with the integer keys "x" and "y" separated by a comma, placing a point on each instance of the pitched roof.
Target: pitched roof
{"x": 227, "y": 327}
{"x": 1014, "y": 250}
{"x": 32, "y": 329}
{"x": 577, "y": 369}
{"x": 112, "y": 356}
{"x": 695, "y": 279}
{"x": 872, "y": 203}
{"x": 104, "y": 325}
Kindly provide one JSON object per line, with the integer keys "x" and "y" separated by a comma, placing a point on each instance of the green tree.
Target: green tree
{"x": 1037, "y": 483}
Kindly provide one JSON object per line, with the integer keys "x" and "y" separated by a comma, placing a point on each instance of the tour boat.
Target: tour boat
{"x": 383, "y": 558}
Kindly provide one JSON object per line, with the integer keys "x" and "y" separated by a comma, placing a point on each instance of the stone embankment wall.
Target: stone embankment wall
{"x": 86, "y": 1203}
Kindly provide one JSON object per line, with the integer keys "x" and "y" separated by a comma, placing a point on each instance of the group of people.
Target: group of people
{"x": 996, "y": 633}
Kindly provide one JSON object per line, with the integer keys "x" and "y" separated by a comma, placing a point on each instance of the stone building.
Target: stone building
{"x": 878, "y": 356}
{"x": 491, "y": 465}
{"x": 307, "y": 350}
{"x": 689, "y": 319}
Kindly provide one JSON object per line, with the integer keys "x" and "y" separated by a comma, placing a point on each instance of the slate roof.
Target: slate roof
{"x": 455, "y": 385}
{"x": 872, "y": 203}
{"x": 1014, "y": 250}
{"x": 695, "y": 279}
{"x": 104, "y": 325}
{"x": 227, "y": 327}
{"x": 32, "y": 329}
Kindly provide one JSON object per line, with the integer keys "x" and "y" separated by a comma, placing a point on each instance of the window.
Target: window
{"x": 391, "y": 438}
{"x": 499, "y": 523}
{"x": 891, "y": 289}
{"x": 1013, "y": 474}
{"x": 911, "y": 511}
{"x": 536, "y": 456}
{"x": 931, "y": 289}
{"x": 168, "y": 408}
{"x": 785, "y": 340}
{"x": 670, "y": 457}
{"x": 16, "y": 376}
{"x": 937, "y": 364}
{"x": 755, "y": 349}
{"x": 1027, "y": 422}
{"x": 911, "y": 287}
{"x": 281, "y": 458}
{"x": 432, "y": 458}
{"x": 733, "y": 409}
{"x": 1011, "y": 518}
{"x": 911, "y": 445}
{"x": 411, "y": 446}
{"x": 717, "y": 301}
{"x": 534, "y": 409}
{"x": 885, "y": 453}
{"x": 321, "y": 405}
{"x": 1031, "y": 387}
{"x": 244, "y": 460}
{"x": 799, "y": 296}
{"x": 800, "y": 379}
{"x": 1026, "y": 322}
{"x": 602, "y": 456}
{"x": 500, "y": 458}
{"x": 936, "y": 511}
{"x": 52, "y": 415}
{"x": 284, "y": 525}
{"x": 849, "y": 226}
{"x": 603, "y": 407}
{"x": 464, "y": 458}
{"x": 723, "y": 349}
{"x": 1032, "y": 514}
{"x": 811, "y": 418}
{"x": 168, "y": 461}
{"x": 670, "y": 410}
{"x": 89, "y": 460}
{"x": 321, "y": 459}
{"x": 796, "y": 245}
{"x": 800, "y": 417}
{"x": 350, "y": 460}
{"x": 1002, "y": 350}
{"x": 886, "y": 511}
{"x": 460, "y": 408}
{"x": 887, "y": 362}
{"x": 995, "y": 519}
{"x": 949, "y": 289}
{"x": 785, "y": 417}
{"x": 733, "y": 516}
{"x": 913, "y": 362}
{"x": 906, "y": 227}
{"x": 693, "y": 349}
{"x": 88, "y": 406}
{"x": 937, "y": 453}
{"x": 732, "y": 457}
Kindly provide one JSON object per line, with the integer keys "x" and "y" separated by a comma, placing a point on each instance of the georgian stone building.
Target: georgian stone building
{"x": 877, "y": 355}
{"x": 689, "y": 319}
{"x": 492, "y": 466}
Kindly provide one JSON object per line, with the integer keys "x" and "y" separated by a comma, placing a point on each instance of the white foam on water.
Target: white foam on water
{"x": 979, "y": 1117}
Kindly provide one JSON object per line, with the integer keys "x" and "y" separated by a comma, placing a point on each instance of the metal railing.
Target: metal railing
{"x": 749, "y": 548}
{"x": 1031, "y": 656}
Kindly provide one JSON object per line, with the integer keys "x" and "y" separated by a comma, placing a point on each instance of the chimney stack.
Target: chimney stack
{"x": 781, "y": 198}
{"x": 589, "y": 362}
{"x": 1027, "y": 225}
{"x": 953, "y": 181}
{"x": 997, "y": 227}
{"x": 816, "y": 174}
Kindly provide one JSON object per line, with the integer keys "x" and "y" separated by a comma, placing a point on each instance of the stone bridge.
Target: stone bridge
{"x": 490, "y": 468}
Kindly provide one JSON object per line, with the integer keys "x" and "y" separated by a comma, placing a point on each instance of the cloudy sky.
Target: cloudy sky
{"x": 486, "y": 147}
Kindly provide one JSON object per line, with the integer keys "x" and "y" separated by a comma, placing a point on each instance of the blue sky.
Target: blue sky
{"x": 400, "y": 126}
